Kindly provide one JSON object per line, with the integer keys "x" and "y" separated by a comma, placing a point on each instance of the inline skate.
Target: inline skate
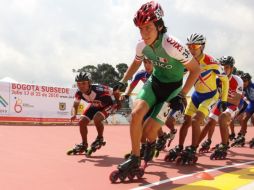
{"x": 251, "y": 143}
{"x": 220, "y": 152}
{"x": 142, "y": 150}
{"x": 239, "y": 141}
{"x": 187, "y": 156}
{"x": 173, "y": 153}
{"x": 128, "y": 169}
{"x": 78, "y": 149}
{"x": 205, "y": 146}
{"x": 231, "y": 136}
{"x": 161, "y": 143}
{"x": 97, "y": 144}
{"x": 149, "y": 153}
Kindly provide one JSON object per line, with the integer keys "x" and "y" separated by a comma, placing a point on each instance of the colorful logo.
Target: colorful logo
{"x": 62, "y": 106}
{"x": 18, "y": 105}
{"x": 3, "y": 101}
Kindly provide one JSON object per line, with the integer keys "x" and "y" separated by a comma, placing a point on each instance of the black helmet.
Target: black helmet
{"x": 246, "y": 77}
{"x": 83, "y": 76}
{"x": 227, "y": 60}
{"x": 239, "y": 73}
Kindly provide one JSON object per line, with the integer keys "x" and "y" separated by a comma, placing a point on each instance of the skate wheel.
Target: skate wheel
{"x": 166, "y": 158}
{"x": 114, "y": 176}
{"x": 140, "y": 173}
{"x": 179, "y": 161}
{"x": 212, "y": 156}
{"x": 122, "y": 178}
{"x": 242, "y": 144}
{"x": 169, "y": 158}
{"x": 222, "y": 157}
{"x": 69, "y": 152}
{"x": 131, "y": 176}
{"x": 104, "y": 143}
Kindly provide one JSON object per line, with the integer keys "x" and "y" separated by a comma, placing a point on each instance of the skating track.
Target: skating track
{"x": 34, "y": 158}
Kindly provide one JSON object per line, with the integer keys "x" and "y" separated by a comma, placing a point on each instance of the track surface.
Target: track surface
{"x": 34, "y": 157}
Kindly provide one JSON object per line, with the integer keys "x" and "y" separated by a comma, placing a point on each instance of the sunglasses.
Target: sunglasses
{"x": 82, "y": 83}
{"x": 194, "y": 46}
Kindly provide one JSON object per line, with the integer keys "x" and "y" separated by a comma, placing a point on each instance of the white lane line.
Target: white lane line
{"x": 247, "y": 187}
{"x": 189, "y": 175}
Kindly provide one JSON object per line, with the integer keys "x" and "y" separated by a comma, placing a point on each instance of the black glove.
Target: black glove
{"x": 121, "y": 86}
{"x": 178, "y": 103}
{"x": 223, "y": 106}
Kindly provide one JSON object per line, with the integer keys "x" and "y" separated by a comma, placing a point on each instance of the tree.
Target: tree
{"x": 105, "y": 73}
{"x": 121, "y": 68}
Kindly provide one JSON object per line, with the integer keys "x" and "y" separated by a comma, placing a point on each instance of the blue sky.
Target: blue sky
{"x": 41, "y": 41}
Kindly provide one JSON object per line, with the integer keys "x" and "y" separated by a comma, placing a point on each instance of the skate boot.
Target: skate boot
{"x": 173, "y": 153}
{"x": 251, "y": 143}
{"x": 161, "y": 144}
{"x": 128, "y": 169}
{"x": 149, "y": 153}
{"x": 78, "y": 149}
{"x": 239, "y": 141}
{"x": 220, "y": 152}
{"x": 97, "y": 144}
{"x": 171, "y": 136}
{"x": 142, "y": 150}
{"x": 232, "y": 136}
{"x": 205, "y": 146}
{"x": 187, "y": 156}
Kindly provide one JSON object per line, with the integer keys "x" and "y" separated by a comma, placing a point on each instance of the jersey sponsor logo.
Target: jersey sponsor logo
{"x": 175, "y": 44}
{"x": 162, "y": 65}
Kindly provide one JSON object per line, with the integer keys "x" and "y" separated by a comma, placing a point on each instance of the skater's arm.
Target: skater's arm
{"x": 74, "y": 110}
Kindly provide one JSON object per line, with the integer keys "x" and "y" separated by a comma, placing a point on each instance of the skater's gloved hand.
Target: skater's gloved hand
{"x": 124, "y": 97}
{"x": 120, "y": 85}
{"x": 223, "y": 106}
{"x": 178, "y": 103}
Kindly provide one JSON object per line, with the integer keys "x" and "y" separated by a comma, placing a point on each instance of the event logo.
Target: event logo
{"x": 3, "y": 102}
{"x": 18, "y": 105}
{"x": 62, "y": 106}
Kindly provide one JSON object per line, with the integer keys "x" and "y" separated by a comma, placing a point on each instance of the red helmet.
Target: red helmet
{"x": 151, "y": 11}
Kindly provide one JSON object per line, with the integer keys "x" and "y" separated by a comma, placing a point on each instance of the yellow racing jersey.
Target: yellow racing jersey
{"x": 210, "y": 70}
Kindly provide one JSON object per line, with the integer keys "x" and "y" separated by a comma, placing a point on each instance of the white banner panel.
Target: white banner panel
{"x": 31, "y": 102}
{"x": 40, "y": 101}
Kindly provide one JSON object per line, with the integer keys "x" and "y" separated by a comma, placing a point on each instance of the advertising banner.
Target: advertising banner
{"x": 29, "y": 102}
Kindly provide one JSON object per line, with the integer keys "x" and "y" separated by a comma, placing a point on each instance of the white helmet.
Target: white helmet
{"x": 196, "y": 38}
